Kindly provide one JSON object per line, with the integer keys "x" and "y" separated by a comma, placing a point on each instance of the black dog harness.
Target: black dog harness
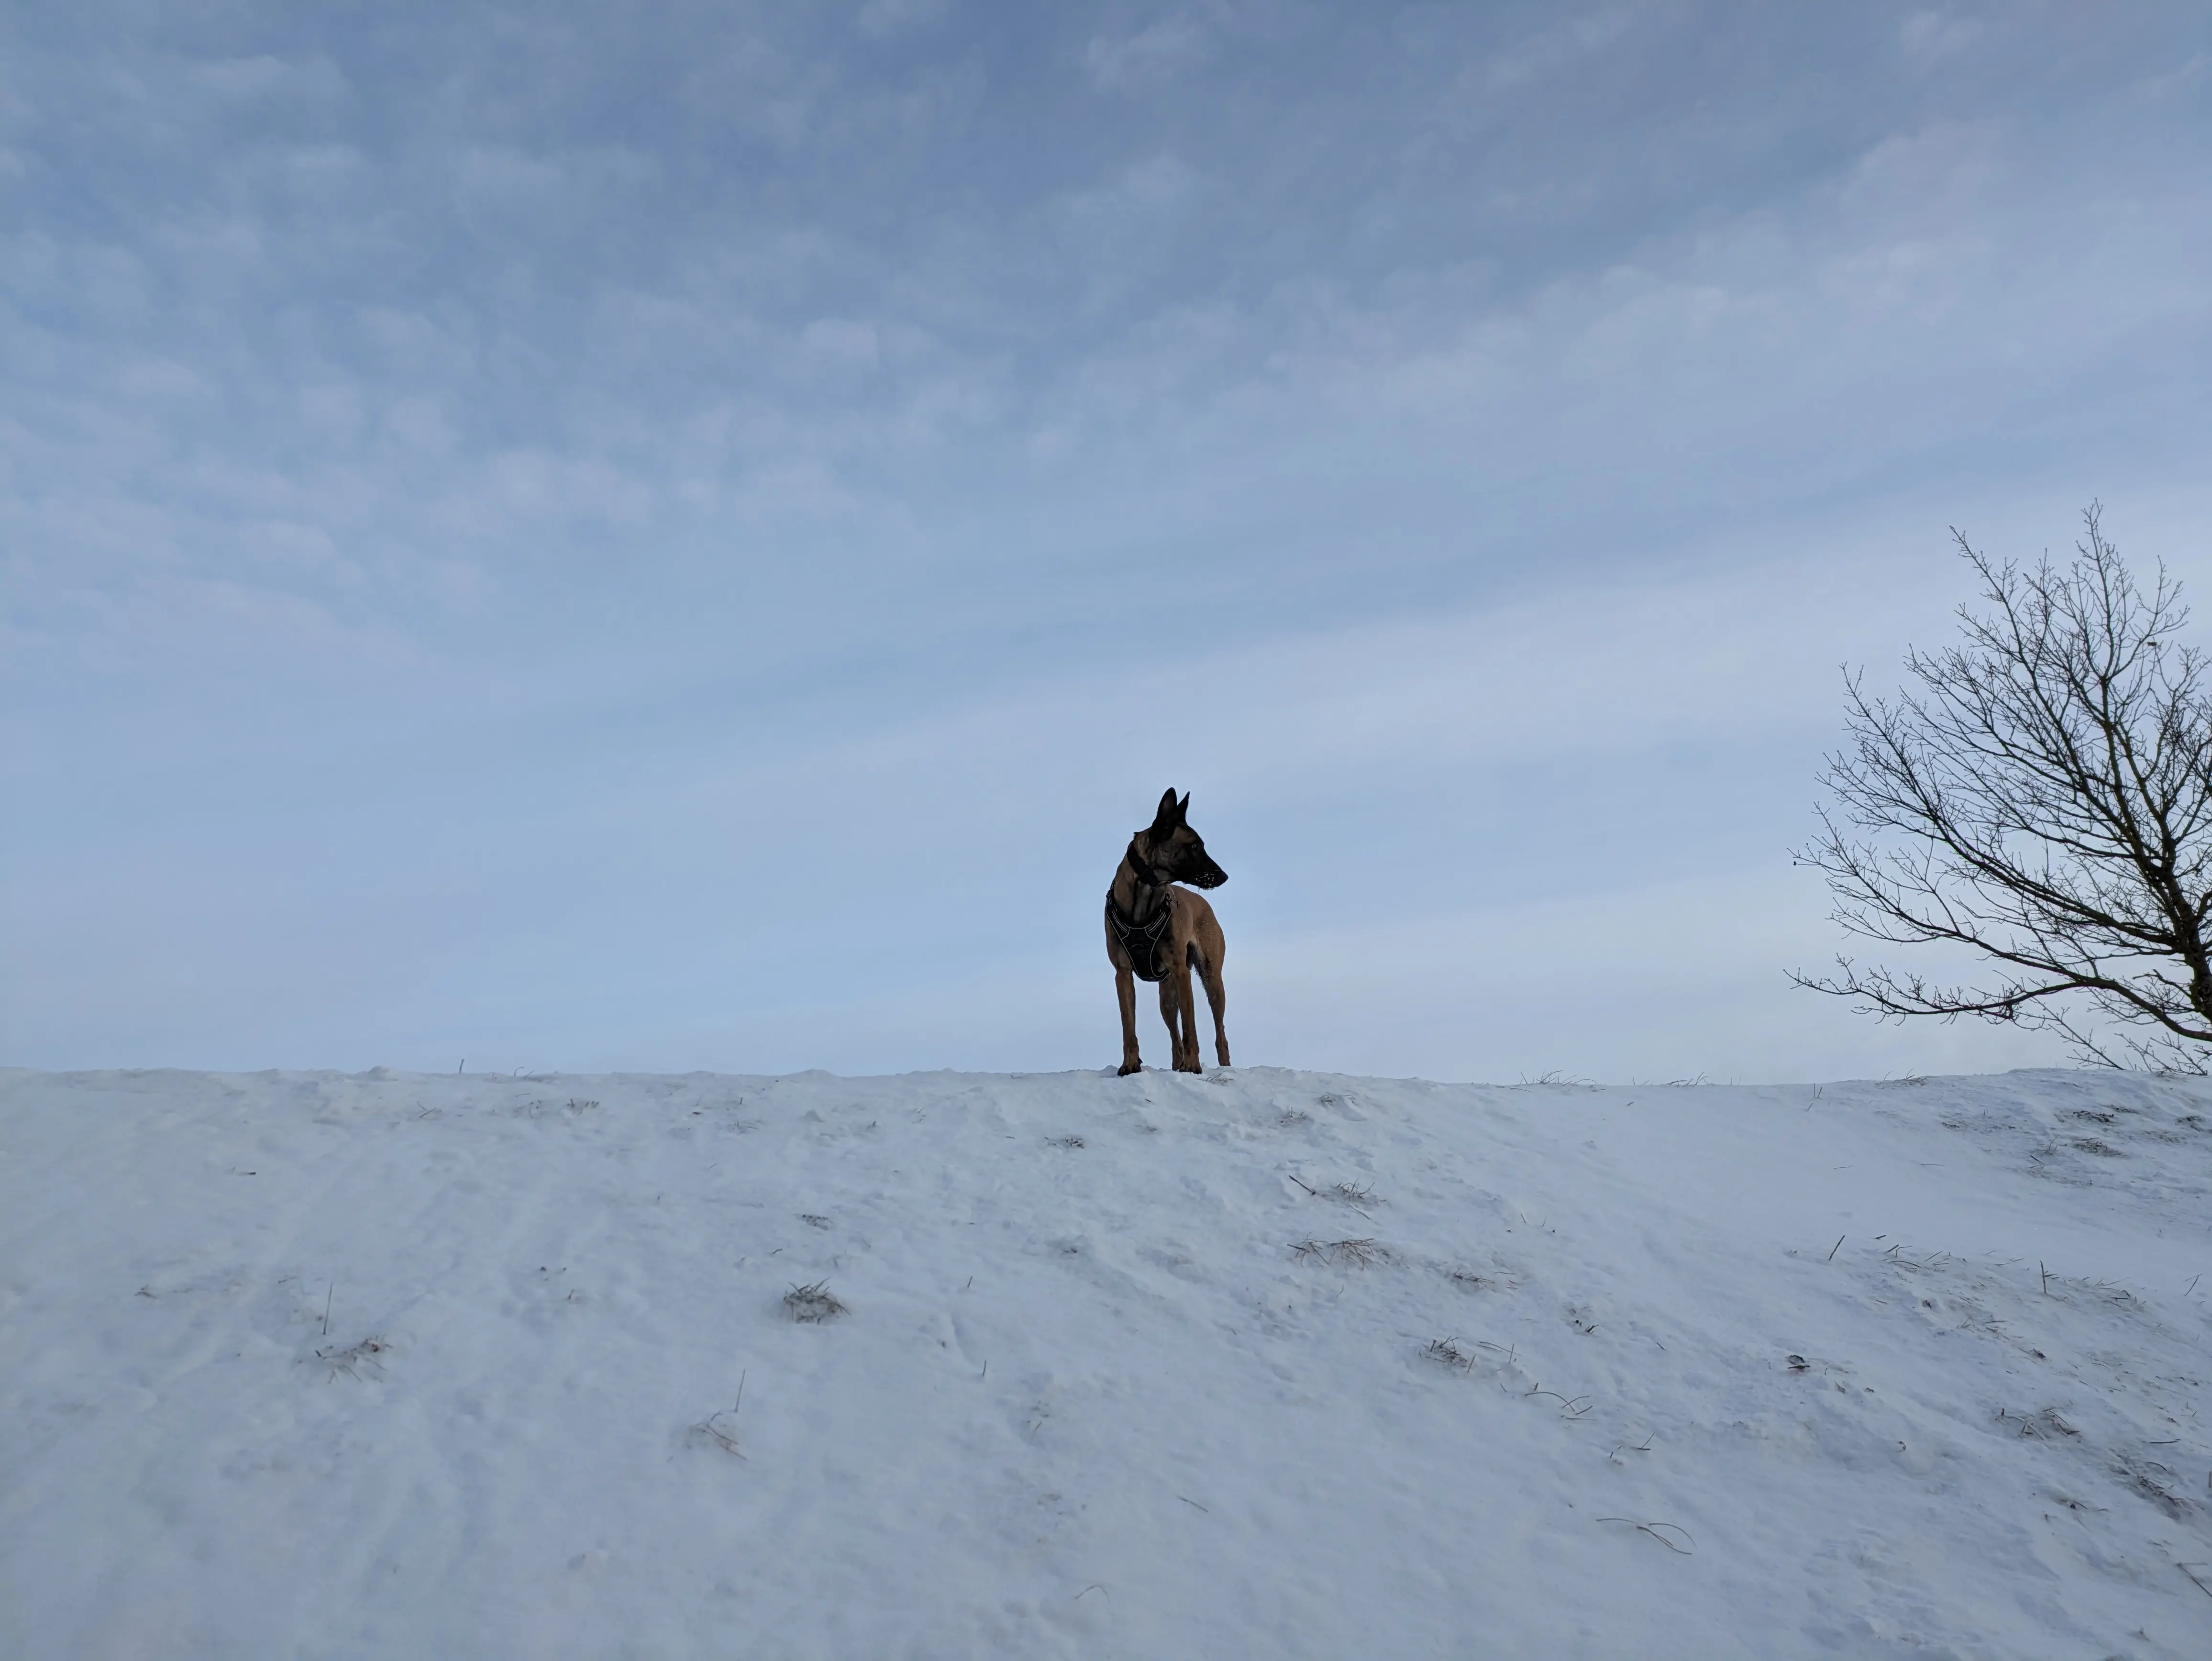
{"x": 1145, "y": 944}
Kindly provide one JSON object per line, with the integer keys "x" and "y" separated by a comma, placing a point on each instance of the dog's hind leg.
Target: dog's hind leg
{"x": 1171, "y": 1012}
{"x": 1217, "y": 1000}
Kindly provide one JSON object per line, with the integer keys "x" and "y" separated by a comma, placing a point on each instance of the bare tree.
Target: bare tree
{"x": 2045, "y": 798}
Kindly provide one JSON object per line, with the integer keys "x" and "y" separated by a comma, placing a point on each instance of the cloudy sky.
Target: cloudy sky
{"x": 687, "y": 536}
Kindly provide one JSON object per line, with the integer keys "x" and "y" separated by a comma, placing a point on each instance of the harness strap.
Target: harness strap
{"x": 1144, "y": 944}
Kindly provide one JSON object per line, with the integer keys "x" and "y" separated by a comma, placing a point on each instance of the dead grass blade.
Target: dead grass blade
{"x": 1655, "y": 1530}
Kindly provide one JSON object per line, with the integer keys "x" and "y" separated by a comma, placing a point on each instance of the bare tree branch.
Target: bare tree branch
{"x": 2042, "y": 795}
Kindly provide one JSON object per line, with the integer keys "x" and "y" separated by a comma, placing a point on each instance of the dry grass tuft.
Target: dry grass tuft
{"x": 1355, "y": 1195}
{"x": 1467, "y": 1281}
{"x": 1448, "y": 1352}
{"x": 2044, "y": 1426}
{"x": 1354, "y": 1254}
{"x": 813, "y": 1303}
{"x": 352, "y": 1358}
{"x": 2156, "y": 1483}
{"x": 720, "y": 1429}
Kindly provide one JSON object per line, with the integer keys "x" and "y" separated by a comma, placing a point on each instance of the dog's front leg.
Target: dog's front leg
{"x": 1125, "y": 990}
{"x": 1181, "y": 1014}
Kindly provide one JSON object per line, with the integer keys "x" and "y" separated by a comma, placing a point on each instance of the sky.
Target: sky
{"x": 688, "y": 536}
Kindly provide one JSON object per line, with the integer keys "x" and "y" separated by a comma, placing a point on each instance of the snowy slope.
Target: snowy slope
{"x": 1090, "y": 1397}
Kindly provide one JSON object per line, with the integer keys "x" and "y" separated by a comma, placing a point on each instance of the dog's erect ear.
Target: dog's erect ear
{"x": 1182, "y": 809}
{"x": 1164, "y": 821}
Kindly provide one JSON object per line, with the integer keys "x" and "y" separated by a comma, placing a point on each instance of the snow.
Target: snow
{"x": 1528, "y": 1390}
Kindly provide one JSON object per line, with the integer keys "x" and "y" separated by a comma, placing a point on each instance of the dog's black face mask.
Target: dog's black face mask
{"x": 1172, "y": 852}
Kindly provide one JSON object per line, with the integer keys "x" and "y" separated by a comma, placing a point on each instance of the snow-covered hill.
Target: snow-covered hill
{"x": 1261, "y": 1364}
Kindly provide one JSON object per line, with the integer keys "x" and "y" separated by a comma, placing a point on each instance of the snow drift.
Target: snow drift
{"x": 1263, "y": 1363}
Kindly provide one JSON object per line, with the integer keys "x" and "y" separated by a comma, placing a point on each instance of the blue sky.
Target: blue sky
{"x": 686, "y": 536}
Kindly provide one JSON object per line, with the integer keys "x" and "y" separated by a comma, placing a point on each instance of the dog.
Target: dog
{"x": 1155, "y": 931}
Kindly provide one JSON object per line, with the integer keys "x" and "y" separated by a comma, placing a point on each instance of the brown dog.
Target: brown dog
{"x": 1157, "y": 932}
